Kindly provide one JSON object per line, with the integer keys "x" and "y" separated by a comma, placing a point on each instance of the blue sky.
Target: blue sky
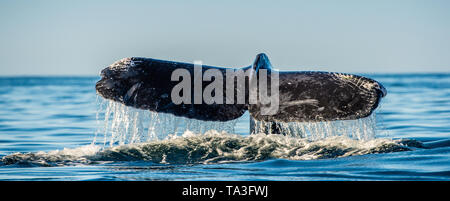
{"x": 82, "y": 37}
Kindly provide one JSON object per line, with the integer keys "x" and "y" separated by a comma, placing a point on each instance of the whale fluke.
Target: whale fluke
{"x": 304, "y": 96}
{"x": 146, "y": 84}
{"x": 323, "y": 96}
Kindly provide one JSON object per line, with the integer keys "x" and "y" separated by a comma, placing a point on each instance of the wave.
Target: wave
{"x": 214, "y": 147}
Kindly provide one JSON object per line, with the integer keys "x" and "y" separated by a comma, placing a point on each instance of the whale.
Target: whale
{"x": 303, "y": 96}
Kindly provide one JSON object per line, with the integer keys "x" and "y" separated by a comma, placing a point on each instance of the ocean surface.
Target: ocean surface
{"x": 57, "y": 128}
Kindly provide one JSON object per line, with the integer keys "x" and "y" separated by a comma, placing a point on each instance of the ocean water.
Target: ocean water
{"x": 57, "y": 128}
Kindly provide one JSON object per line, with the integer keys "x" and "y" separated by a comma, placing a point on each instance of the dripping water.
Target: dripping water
{"x": 127, "y": 125}
{"x": 359, "y": 129}
{"x": 118, "y": 124}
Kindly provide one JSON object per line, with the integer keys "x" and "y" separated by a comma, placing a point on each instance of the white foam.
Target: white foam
{"x": 213, "y": 147}
{"x": 131, "y": 134}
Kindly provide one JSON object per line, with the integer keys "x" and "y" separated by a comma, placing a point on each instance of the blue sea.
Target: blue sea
{"x": 57, "y": 128}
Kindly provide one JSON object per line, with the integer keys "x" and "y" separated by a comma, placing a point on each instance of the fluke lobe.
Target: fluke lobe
{"x": 304, "y": 96}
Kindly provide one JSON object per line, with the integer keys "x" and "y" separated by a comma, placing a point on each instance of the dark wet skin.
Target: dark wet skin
{"x": 304, "y": 96}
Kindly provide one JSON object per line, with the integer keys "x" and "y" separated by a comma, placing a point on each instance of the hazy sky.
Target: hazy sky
{"x": 82, "y": 37}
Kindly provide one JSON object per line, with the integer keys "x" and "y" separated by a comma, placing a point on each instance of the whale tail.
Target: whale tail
{"x": 303, "y": 96}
